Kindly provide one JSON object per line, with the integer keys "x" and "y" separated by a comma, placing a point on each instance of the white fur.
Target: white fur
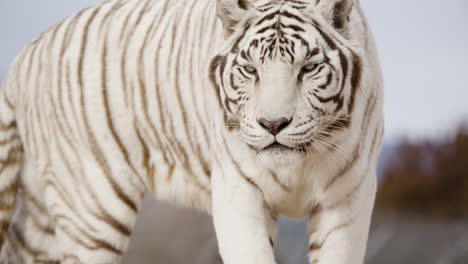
{"x": 163, "y": 110}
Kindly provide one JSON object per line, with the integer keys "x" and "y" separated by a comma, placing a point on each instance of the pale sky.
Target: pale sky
{"x": 423, "y": 46}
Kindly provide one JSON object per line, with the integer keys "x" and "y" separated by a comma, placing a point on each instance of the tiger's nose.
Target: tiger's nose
{"x": 274, "y": 126}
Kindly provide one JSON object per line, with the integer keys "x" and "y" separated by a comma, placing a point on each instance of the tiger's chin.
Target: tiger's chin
{"x": 277, "y": 155}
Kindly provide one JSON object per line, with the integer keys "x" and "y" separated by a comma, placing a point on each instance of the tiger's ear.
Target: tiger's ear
{"x": 231, "y": 12}
{"x": 336, "y": 12}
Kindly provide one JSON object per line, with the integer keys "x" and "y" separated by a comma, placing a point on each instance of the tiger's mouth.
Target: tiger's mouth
{"x": 277, "y": 154}
{"x": 276, "y": 146}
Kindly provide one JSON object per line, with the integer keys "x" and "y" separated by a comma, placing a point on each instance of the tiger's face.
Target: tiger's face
{"x": 286, "y": 81}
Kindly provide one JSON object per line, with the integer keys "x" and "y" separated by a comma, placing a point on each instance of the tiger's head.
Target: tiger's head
{"x": 287, "y": 75}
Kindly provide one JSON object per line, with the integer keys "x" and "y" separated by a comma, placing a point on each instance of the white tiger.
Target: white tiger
{"x": 270, "y": 107}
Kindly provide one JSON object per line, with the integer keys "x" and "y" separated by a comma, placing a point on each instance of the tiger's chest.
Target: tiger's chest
{"x": 291, "y": 193}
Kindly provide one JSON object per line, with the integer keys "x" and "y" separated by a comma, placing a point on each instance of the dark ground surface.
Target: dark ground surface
{"x": 169, "y": 235}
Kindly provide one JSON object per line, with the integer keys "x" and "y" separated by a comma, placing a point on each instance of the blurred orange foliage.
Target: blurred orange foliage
{"x": 428, "y": 178}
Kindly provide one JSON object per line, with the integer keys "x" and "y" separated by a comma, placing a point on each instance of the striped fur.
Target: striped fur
{"x": 162, "y": 96}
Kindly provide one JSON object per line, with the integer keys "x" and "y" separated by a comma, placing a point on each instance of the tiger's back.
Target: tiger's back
{"x": 113, "y": 74}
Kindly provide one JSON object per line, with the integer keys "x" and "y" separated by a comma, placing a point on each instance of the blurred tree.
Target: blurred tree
{"x": 428, "y": 178}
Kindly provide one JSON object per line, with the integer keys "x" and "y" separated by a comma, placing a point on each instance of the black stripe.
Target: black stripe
{"x": 102, "y": 214}
{"x": 219, "y": 62}
{"x": 267, "y": 17}
{"x": 108, "y": 114}
{"x": 45, "y": 230}
{"x": 269, "y": 27}
{"x": 240, "y": 170}
{"x": 293, "y": 27}
{"x": 235, "y": 46}
{"x": 71, "y": 171}
{"x": 355, "y": 81}
{"x": 125, "y": 24}
{"x": 242, "y": 73}
{"x": 328, "y": 81}
{"x": 63, "y": 73}
{"x": 315, "y": 51}
{"x": 95, "y": 149}
{"x": 173, "y": 143}
{"x": 276, "y": 179}
{"x": 23, "y": 243}
{"x": 330, "y": 42}
{"x": 126, "y": 44}
{"x": 99, "y": 243}
{"x": 144, "y": 90}
{"x": 338, "y": 98}
{"x": 265, "y": 7}
{"x": 114, "y": 8}
{"x": 146, "y": 163}
{"x": 291, "y": 15}
{"x": 297, "y": 2}
{"x": 179, "y": 61}
{"x": 376, "y": 138}
{"x": 204, "y": 161}
{"x": 317, "y": 246}
{"x": 32, "y": 53}
{"x": 301, "y": 39}
{"x": 357, "y": 150}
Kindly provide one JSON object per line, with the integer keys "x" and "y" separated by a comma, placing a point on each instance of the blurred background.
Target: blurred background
{"x": 421, "y": 211}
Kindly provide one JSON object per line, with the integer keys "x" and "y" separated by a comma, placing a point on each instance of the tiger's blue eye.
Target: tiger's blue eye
{"x": 250, "y": 69}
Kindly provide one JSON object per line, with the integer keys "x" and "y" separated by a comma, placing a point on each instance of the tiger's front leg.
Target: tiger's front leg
{"x": 338, "y": 229}
{"x": 245, "y": 227}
